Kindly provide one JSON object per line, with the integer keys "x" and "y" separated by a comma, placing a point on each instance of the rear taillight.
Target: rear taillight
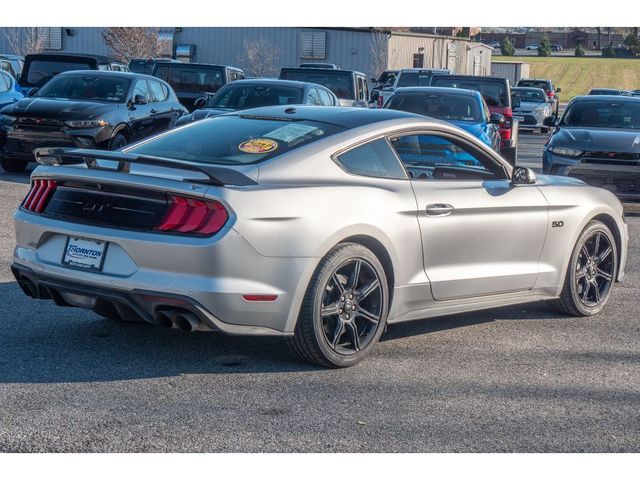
{"x": 188, "y": 215}
{"x": 550, "y": 94}
{"x": 40, "y": 193}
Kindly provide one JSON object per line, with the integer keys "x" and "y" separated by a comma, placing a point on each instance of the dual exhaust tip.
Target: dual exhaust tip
{"x": 172, "y": 318}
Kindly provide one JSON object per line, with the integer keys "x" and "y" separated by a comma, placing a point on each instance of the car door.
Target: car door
{"x": 481, "y": 234}
{"x": 141, "y": 119}
{"x": 163, "y": 112}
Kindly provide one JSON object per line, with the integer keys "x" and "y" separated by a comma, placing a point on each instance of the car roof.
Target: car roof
{"x": 315, "y": 70}
{"x": 476, "y": 78}
{"x": 107, "y": 73}
{"x": 529, "y": 88}
{"x": 80, "y": 56}
{"x": 600, "y": 98}
{"x": 274, "y": 81}
{"x": 443, "y": 90}
{"x": 424, "y": 70}
{"x": 534, "y": 80}
{"x": 342, "y": 116}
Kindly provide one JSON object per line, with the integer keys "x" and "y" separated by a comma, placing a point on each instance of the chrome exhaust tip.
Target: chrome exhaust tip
{"x": 186, "y": 321}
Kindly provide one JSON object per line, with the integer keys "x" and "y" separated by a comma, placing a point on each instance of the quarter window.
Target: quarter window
{"x": 325, "y": 98}
{"x": 373, "y": 159}
{"x": 313, "y": 98}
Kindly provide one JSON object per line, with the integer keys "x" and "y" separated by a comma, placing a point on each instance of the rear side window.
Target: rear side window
{"x": 41, "y": 71}
{"x": 339, "y": 83}
{"x": 235, "y": 140}
{"x": 493, "y": 92}
{"x": 534, "y": 83}
{"x": 158, "y": 91}
{"x": 141, "y": 88}
{"x": 373, "y": 159}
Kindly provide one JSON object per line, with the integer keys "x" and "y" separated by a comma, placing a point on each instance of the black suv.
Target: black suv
{"x": 195, "y": 80}
{"x": 86, "y": 109}
{"x": 351, "y": 88}
{"x": 497, "y": 94}
{"x": 39, "y": 68}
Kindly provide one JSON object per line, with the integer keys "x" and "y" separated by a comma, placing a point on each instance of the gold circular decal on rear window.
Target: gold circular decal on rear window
{"x": 258, "y": 145}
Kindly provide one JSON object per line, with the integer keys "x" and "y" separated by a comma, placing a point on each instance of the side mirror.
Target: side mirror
{"x": 200, "y": 102}
{"x": 558, "y": 90}
{"x": 496, "y": 118}
{"x": 515, "y": 102}
{"x": 523, "y": 176}
{"x": 140, "y": 100}
{"x": 549, "y": 122}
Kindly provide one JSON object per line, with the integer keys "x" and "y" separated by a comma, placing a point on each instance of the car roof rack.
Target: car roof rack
{"x": 72, "y": 156}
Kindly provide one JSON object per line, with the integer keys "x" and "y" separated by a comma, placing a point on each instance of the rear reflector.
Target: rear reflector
{"x": 260, "y": 298}
{"x": 40, "y": 193}
{"x": 188, "y": 215}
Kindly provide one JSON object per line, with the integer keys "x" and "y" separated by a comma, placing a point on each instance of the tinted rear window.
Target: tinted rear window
{"x": 494, "y": 92}
{"x": 339, "y": 83}
{"x": 534, "y": 83}
{"x": 40, "y": 71}
{"x": 414, "y": 79}
{"x": 239, "y": 97}
{"x": 187, "y": 78}
{"x": 436, "y": 105}
{"x": 235, "y": 140}
{"x": 141, "y": 66}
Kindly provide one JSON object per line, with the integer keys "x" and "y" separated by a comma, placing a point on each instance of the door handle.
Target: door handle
{"x": 439, "y": 209}
{"x": 153, "y": 111}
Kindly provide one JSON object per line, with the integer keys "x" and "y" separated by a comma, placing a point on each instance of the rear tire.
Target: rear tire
{"x": 591, "y": 272}
{"x": 344, "y": 311}
{"x": 13, "y": 164}
{"x": 544, "y": 130}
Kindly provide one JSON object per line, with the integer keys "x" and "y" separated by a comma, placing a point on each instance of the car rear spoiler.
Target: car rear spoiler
{"x": 72, "y": 156}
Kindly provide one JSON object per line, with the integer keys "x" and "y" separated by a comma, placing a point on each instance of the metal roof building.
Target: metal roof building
{"x": 363, "y": 49}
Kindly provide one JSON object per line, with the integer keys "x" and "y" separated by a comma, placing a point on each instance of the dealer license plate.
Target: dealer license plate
{"x": 84, "y": 253}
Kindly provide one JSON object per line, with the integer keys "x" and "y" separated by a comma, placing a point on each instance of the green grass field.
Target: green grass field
{"x": 576, "y": 76}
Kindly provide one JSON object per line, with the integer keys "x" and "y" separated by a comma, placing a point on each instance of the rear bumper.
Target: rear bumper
{"x": 209, "y": 276}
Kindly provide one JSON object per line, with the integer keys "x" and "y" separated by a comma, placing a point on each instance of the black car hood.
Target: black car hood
{"x": 598, "y": 139}
{"x": 58, "y": 108}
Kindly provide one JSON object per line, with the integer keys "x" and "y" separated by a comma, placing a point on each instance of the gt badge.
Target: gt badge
{"x": 258, "y": 145}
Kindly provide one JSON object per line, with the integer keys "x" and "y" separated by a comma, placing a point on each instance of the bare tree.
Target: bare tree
{"x": 24, "y": 40}
{"x": 260, "y": 58}
{"x": 127, "y": 43}
{"x": 378, "y": 45}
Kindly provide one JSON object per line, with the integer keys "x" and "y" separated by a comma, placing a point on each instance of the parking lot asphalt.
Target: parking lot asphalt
{"x": 509, "y": 379}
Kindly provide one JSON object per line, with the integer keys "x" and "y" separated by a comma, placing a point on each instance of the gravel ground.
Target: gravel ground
{"x": 510, "y": 379}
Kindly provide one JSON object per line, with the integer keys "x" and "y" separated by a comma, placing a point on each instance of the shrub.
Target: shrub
{"x": 579, "y": 51}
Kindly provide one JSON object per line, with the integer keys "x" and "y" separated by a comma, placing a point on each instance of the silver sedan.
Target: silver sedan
{"x": 318, "y": 224}
{"x": 531, "y": 107}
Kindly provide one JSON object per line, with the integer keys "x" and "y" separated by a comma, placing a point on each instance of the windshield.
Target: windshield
{"x": 493, "y": 92}
{"x": 186, "y": 78}
{"x": 534, "y": 83}
{"x": 436, "y": 105}
{"x": 339, "y": 83}
{"x": 529, "y": 95}
{"x": 86, "y": 87}
{"x": 235, "y": 140}
{"x": 239, "y": 97}
{"x": 603, "y": 114}
{"x": 40, "y": 71}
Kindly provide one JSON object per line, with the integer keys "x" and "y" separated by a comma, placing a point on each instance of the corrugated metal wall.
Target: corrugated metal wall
{"x": 349, "y": 48}
{"x": 439, "y": 52}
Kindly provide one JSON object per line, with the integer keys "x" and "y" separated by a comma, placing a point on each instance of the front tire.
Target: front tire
{"x": 117, "y": 142}
{"x": 344, "y": 311}
{"x": 591, "y": 272}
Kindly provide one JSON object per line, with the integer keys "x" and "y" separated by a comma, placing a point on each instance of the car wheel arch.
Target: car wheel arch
{"x": 122, "y": 129}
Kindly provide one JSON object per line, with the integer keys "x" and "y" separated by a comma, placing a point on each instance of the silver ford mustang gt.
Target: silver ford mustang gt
{"x": 319, "y": 224}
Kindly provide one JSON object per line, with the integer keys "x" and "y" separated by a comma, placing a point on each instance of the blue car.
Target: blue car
{"x": 464, "y": 108}
{"x": 9, "y": 90}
